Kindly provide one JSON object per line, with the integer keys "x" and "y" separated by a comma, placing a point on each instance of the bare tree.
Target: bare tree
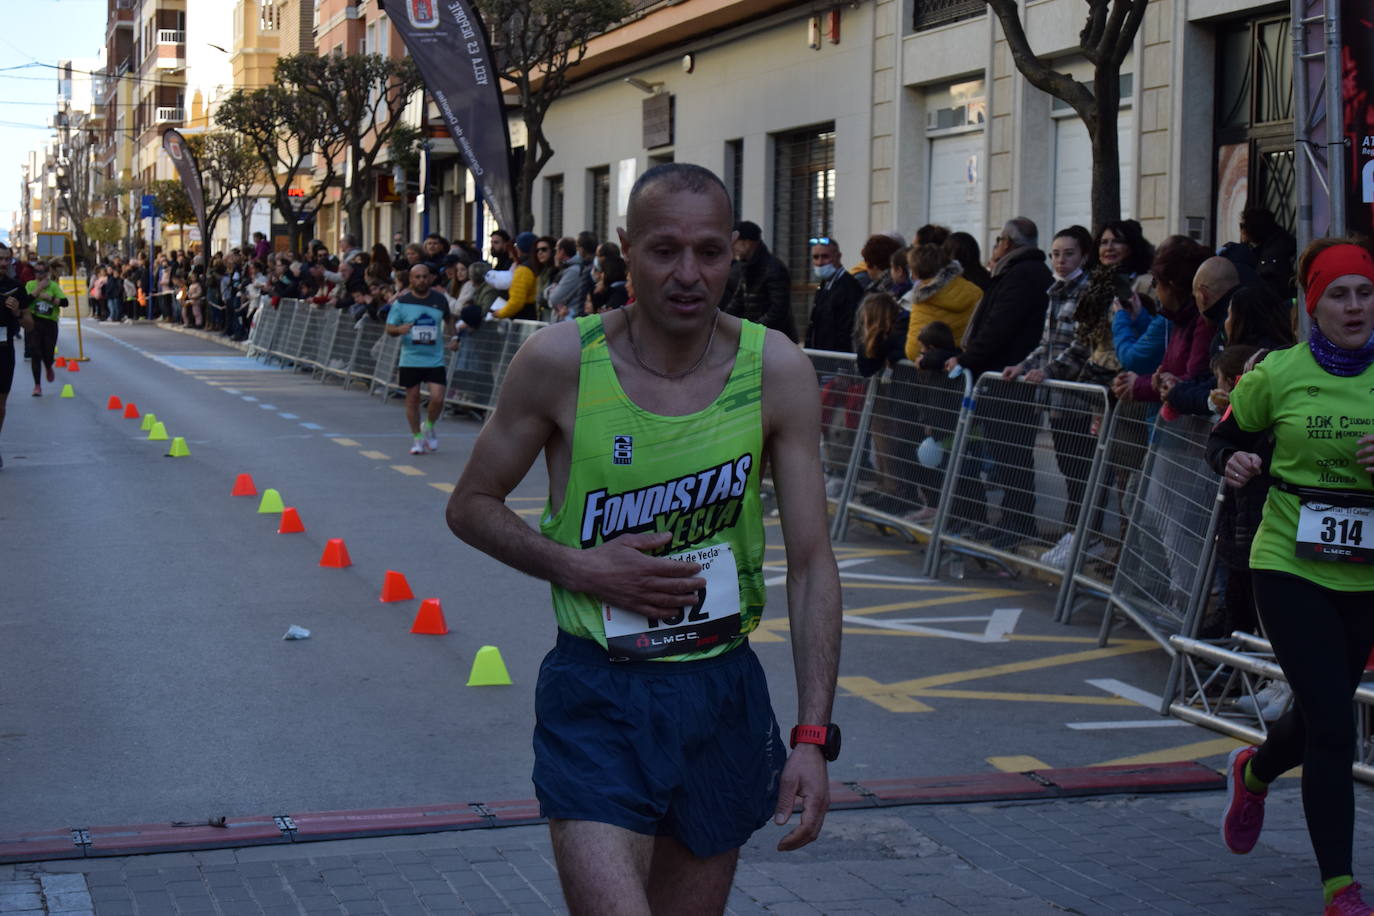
{"x": 362, "y": 99}
{"x": 286, "y": 131}
{"x": 75, "y": 188}
{"x": 1106, "y": 39}
{"x": 229, "y": 171}
{"x": 535, "y": 43}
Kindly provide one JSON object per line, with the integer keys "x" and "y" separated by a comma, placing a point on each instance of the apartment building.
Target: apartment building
{"x": 843, "y": 120}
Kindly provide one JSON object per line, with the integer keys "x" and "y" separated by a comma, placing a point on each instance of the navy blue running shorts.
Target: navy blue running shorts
{"x": 689, "y": 750}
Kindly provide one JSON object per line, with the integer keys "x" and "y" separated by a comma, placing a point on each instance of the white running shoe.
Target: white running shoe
{"x": 1058, "y": 555}
{"x": 431, "y": 439}
{"x": 1271, "y": 700}
{"x": 418, "y": 448}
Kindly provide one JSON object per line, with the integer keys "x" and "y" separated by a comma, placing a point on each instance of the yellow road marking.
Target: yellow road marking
{"x": 208, "y": 382}
{"x": 347, "y": 442}
{"x": 445, "y": 487}
{"x": 1126, "y": 647}
{"x": 871, "y": 690}
{"x": 1193, "y": 751}
{"x": 1018, "y": 697}
{"x": 1018, "y": 764}
{"x": 408, "y": 470}
{"x": 529, "y": 513}
{"x": 375, "y": 456}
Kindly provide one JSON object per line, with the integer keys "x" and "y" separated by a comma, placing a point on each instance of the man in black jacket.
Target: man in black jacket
{"x": 763, "y": 293}
{"x": 837, "y": 300}
{"x": 14, "y": 316}
{"x": 1005, "y": 327}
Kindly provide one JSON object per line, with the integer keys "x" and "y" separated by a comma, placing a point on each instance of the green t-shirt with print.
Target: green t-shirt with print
{"x": 47, "y": 300}
{"x": 1317, "y": 420}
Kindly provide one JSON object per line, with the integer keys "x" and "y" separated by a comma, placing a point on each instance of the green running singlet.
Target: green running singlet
{"x": 695, "y": 475}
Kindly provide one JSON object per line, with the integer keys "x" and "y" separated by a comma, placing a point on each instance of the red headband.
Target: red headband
{"x": 1336, "y": 261}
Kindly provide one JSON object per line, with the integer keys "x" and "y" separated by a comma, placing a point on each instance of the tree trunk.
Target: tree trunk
{"x": 354, "y": 204}
{"x": 1106, "y": 187}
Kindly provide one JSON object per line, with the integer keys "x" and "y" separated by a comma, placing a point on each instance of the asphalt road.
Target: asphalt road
{"x": 143, "y": 677}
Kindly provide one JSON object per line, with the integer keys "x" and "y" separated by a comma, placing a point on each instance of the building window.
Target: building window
{"x": 932, "y": 13}
{"x": 734, "y": 175}
{"x": 599, "y": 192}
{"x": 803, "y": 203}
{"x": 553, "y": 205}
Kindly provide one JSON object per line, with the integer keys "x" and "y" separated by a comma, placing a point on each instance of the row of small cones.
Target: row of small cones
{"x": 155, "y": 428}
{"x": 488, "y": 668}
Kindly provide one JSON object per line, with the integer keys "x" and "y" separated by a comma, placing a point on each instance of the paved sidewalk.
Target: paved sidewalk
{"x": 1119, "y": 855}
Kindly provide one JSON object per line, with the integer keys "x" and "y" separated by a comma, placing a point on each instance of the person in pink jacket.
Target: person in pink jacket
{"x": 1189, "y": 335}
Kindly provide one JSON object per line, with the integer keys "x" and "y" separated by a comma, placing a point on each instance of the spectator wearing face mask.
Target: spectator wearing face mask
{"x": 831, "y": 326}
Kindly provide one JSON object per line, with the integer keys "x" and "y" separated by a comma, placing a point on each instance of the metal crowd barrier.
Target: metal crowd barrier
{"x": 1165, "y": 570}
{"x": 1219, "y": 691}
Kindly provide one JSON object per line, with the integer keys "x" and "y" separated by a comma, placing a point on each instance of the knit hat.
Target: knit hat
{"x": 526, "y": 241}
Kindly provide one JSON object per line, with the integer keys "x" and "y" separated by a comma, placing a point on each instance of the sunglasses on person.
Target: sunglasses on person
{"x": 544, "y": 249}
{"x": 822, "y": 240}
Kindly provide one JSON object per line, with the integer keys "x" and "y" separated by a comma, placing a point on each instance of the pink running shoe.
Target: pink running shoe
{"x": 1243, "y": 818}
{"x": 1348, "y": 903}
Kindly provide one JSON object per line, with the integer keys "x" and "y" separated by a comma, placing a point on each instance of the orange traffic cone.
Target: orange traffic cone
{"x": 335, "y": 554}
{"x": 60, "y": 363}
{"x": 73, "y": 366}
{"x": 113, "y": 403}
{"x": 243, "y": 486}
{"x": 131, "y": 411}
{"x": 430, "y": 620}
{"x": 395, "y": 587}
{"x": 290, "y": 522}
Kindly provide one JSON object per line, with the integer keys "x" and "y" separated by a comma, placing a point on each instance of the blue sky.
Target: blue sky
{"x": 37, "y": 32}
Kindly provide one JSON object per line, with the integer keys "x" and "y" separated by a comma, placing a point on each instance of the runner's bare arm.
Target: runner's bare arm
{"x": 540, "y": 388}
{"x": 791, "y": 403}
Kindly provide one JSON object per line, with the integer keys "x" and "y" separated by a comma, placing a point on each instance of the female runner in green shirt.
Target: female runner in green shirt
{"x": 1313, "y": 556}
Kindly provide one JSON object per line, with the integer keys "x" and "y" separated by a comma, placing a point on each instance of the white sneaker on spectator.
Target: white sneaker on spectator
{"x": 1058, "y": 555}
{"x": 1271, "y": 700}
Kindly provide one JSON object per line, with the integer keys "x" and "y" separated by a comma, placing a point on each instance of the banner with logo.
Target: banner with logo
{"x": 449, "y": 44}
{"x": 188, "y": 170}
{"x": 1357, "y": 66}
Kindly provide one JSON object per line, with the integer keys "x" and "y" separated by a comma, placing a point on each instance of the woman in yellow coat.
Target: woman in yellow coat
{"x": 941, "y": 294}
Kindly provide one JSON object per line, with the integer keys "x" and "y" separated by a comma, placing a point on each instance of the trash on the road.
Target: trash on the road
{"x": 295, "y": 632}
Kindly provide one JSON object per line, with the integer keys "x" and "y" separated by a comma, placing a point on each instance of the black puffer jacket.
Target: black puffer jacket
{"x": 764, "y": 293}
{"x": 1007, "y": 324}
{"x": 832, "y": 317}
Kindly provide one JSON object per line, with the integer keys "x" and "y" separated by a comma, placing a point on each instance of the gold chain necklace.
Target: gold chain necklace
{"x": 670, "y": 376}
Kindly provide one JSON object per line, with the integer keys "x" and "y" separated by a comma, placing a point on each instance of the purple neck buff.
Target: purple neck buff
{"x": 1339, "y": 360}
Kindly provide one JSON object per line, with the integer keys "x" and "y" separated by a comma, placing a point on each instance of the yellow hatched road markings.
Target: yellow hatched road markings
{"x": 443, "y": 487}
{"x": 349, "y": 443}
{"x": 375, "y": 456}
{"x": 906, "y": 696}
{"x": 1018, "y": 763}
{"x": 1193, "y": 751}
{"x": 408, "y": 470}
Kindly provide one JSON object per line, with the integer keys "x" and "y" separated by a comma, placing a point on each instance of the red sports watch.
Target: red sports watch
{"x": 826, "y": 737}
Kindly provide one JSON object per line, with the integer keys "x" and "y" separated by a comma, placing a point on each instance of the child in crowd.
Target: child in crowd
{"x": 937, "y": 346}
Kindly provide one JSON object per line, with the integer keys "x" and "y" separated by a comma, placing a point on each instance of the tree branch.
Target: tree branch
{"x": 1037, "y": 72}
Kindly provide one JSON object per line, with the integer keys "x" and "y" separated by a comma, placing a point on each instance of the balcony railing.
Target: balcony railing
{"x": 930, "y": 13}
{"x": 171, "y": 36}
{"x": 169, "y": 115}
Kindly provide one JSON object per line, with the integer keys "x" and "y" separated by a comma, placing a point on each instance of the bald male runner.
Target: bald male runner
{"x": 657, "y": 754}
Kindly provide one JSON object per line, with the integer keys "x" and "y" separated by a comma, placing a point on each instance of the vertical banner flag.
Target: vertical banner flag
{"x": 1357, "y": 76}
{"x": 188, "y": 170}
{"x": 449, "y": 44}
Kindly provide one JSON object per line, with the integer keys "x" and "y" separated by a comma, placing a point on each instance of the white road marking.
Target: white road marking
{"x": 231, "y": 391}
{"x": 268, "y": 406}
{"x": 312, "y": 426}
{"x": 288, "y": 416}
{"x": 1129, "y": 723}
{"x": 248, "y": 397}
{"x": 782, "y": 568}
{"x": 1000, "y": 624}
{"x": 1127, "y": 692}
